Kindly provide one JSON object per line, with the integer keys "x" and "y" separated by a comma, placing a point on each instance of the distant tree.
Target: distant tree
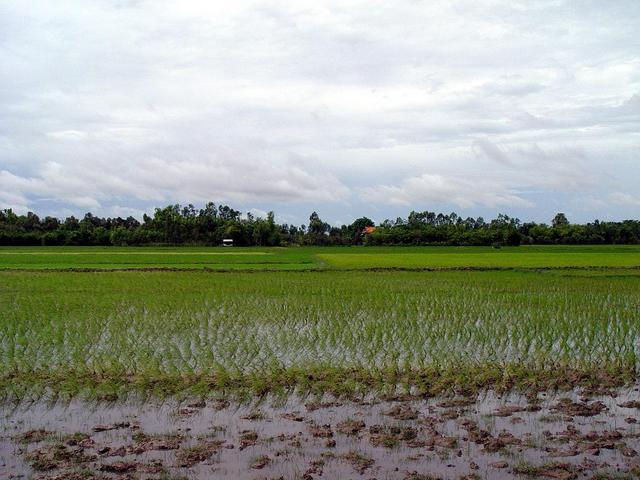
{"x": 119, "y": 236}
{"x": 175, "y": 224}
{"x": 317, "y": 231}
{"x": 316, "y": 225}
{"x": 560, "y": 220}
{"x": 361, "y": 223}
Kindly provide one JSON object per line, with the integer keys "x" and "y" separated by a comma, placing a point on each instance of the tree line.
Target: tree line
{"x": 186, "y": 225}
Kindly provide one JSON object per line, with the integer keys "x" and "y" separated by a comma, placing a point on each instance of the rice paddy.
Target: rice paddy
{"x": 158, "y": 362}
{"x": 167, "y": 332}
{"x": 319, "y": 258}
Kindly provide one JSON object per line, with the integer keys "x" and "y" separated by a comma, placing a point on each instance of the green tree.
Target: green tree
{"x": 560, "y": 220}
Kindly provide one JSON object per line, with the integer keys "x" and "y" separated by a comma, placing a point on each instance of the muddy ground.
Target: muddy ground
{"x": 557, "y": 436}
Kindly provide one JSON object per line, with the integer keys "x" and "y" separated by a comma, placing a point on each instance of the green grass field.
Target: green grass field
{"x": 319, "y": 258}
{"x": 332, "y": 329}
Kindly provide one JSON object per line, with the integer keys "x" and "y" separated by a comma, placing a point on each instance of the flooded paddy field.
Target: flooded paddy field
{"x": 561, "y": 435}
{"x": 105, "y": 333}
{"x": 304, "y": 374}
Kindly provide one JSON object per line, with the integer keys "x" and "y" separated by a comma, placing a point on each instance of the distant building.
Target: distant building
{"x": 227, "y": 242}
{"x": 368, "y": 230}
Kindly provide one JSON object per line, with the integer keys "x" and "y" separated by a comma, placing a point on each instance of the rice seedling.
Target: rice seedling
{"x": 166, "y": 332}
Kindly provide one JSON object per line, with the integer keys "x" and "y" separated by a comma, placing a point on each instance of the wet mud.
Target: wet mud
{"x": 548, "y": 435}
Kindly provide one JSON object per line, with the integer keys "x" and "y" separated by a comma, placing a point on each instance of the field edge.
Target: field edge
{"x": 321, "y": 380}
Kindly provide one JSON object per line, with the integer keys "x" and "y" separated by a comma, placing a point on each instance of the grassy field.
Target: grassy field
{"x": 166, "y": 332}
{"x": 168, "y": 258}
{"x": 305, "y": 258}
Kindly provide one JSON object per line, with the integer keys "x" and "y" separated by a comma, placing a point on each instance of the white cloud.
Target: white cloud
{"x": 620, "y": 198}
{"x": 429, "y": 189}
{"x": 296, "y": 105}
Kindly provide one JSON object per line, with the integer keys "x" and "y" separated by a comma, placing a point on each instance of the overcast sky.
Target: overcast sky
{"x": 349, "y": 108}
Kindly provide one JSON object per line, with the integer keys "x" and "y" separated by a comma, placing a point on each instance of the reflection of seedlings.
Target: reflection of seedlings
{"x": 550, "y": 418}
{"x": 451, "y": 414}
{"x": 390, "y": 437}
{"x": 103, "y": 427}
{"x": 56, "y": 456}
{"x": 218, "y": 405}
{"x": 313, "y": 406}
{"x": 607, "y": 476}
{"x": 315, "y": 468}
{"x": 592, "y": 441}
{"x": 483, "y": 437}
{"x": 78, "y": 438}
{"x": 575, "y": 409}
{"x": 350, "y": 426}
{"x": 248, "y": 438}
{"x": 187, "y": 412}
{"x": 189, "y": 456}
{"x": 292, "y": 439}
{"x": 530, "y": 442}
{"x": 631, "y": 404}
{"x": 146, "y": 442}
{"x": 456, "y": 403}
{"x": 295, "y": 416}
{"x": 34, "y": 436}
{"x": 606, "y": 445}
{"x": 402, "y": 412}
{"x": 359, "y": 462}
{"x": 215, "y": 430}
{"x": 384, "y": 440}
{"x": 260, "y": 462}
{"x": 628, "y": 451}
{"x": 321, "y": 431}
{"x": 167, "y": 476}
{"x": 254, "y": 415}
{"x": 121, "y": 451}
{"x": 118, "y": 467}
{"x": 155, "y": 467}
{"x": 507, "y": 410}
{"x": 419, "y": 476}
{"x": 563, "y": 471}
{"x": 209, "y": 435}
{"x": 75, "y": 474}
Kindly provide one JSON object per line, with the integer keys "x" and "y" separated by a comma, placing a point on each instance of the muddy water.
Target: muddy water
{"x": 568, "y": 435}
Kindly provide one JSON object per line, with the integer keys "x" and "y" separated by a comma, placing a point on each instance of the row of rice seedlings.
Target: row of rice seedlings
{"x": 382, "y": 322}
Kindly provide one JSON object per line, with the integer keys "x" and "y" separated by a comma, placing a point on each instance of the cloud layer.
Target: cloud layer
{"x": 348, "y": 108}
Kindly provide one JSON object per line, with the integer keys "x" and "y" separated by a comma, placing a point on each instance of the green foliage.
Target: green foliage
{"x": 176, "y": 225}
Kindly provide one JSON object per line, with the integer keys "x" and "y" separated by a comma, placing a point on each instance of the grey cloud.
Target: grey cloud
{"x": 115, "y": 103}
{"x": 428, "y": 189}
{"x": 492, "y": 151}
{"x": 513, "y": 86}
{"x": 621, "y": 198}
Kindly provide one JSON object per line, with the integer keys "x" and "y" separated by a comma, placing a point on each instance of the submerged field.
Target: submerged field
{"x": 169, "y": 332}
{"x": 307, "y": 363}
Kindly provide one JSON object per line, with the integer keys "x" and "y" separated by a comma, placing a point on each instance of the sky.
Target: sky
{"x": 349, "y": 108}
